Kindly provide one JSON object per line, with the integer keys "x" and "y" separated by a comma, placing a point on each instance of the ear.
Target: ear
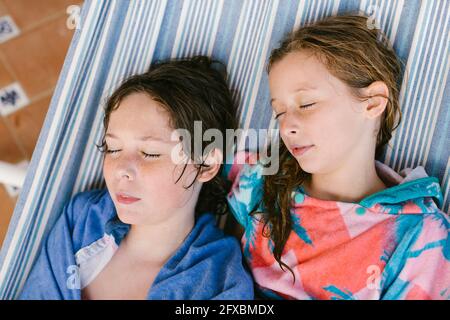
{"x": 378, "y": 94}
{"x": 213, "y": 162}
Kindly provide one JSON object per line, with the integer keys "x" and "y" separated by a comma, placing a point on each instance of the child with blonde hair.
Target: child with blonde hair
{"x": 335, "y": 223}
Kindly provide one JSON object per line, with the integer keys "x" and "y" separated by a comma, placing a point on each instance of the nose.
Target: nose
{"x": 126, "y": 170}
{"x": 289, "y": 126}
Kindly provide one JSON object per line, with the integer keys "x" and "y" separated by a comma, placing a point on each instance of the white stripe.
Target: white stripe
{"x": 396, "y": 20}
{"x": 425, "y": 95}
{"x": 202, "y": 27}
{"x": 299, "y": 14}
{"x": 237, "y": 47}
{"x": 420, "y": 106}
{"x": 205, "y": 32}
{"x": 363, "y": 6}
{"x": 146, "y": 21}
{"x": 249, "y": 93}
{"x": 183, "y": 16}
{"x": 158, "y": 22}
{"x": 204, "y": 40}
{"x": 260, "y": 66}
{"x": 246, "y": 70}
{"x": 26, "y": 212}
{"x": 188, "y": 45}
{"x": 71, "y": 140}
{"x": 441, "y": 80}
{"x": 336, "y": 7}
{"x": 316, "y": 10}
{"x": 215, "y": 27}
{"x": 405, "y": 94}
{"x": 385, "y": 10}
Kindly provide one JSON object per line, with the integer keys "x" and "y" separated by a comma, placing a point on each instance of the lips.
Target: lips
{"x": 298, "y": 150}
{"x": 126, "y": 199}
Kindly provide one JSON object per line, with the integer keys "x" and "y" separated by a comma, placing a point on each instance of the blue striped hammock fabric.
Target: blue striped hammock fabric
{"x": 118, "y": 38}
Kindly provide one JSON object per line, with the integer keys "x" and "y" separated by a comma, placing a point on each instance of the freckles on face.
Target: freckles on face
{"x": 130, "y": 170}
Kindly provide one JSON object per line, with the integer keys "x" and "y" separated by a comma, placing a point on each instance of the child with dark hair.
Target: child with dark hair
{"x": 151, "y": 234}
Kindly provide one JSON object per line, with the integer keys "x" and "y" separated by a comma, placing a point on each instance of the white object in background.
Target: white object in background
{"x": 12, "y": 98}
{"x": 8, "y": 29}
{"x": 13, "y": 176}
{"x": 12, "y": 191}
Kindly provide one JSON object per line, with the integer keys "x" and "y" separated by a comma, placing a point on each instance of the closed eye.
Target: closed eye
{"x": 279, "y": 114}
{"x": 305, "y": 106}
{"x": 146, "y": 155}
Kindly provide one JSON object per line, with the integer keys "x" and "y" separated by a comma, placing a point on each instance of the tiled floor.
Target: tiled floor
{"x": 34, "y": 59}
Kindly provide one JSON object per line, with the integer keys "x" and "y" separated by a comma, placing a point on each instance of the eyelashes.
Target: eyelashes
{"x": 305, "y": 106}
{"x": 146, "y": 155}
{"x": 279, "y": 114}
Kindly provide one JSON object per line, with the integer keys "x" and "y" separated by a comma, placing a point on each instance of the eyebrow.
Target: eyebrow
{"x": 144, "y": 138}
{"x": 297, "y": 90}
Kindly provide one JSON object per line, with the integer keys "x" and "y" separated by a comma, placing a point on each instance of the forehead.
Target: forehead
{"x": 298, "y": 70}
{"x": 139, "y": 112}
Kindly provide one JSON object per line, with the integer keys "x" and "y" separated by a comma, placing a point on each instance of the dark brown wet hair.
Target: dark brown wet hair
{"x": 191, "y": 89}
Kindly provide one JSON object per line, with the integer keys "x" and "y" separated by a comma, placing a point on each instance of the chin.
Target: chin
{"x": 129, "y": 217}
{"x": 308, "y": 166}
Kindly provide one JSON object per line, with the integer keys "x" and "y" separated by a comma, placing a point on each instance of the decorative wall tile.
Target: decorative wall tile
{"x": 8, "y": 29}
{"x": 29, "y": 13}
{"x": 12, "y": 98}
{"x": 27, "y": 123}
{"x": 36, "y": 57}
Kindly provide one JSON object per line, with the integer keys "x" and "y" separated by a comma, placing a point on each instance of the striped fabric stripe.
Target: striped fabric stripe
{"x": 119, "y": 38}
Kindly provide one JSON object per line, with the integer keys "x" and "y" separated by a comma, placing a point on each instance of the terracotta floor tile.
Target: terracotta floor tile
{"x": 9, "y": 150}
{"x": 5, "y": 77}
{"x": 36, "y": 58}
{"x": 29, "y": 13}
{"x": 3, "y": 10}
{"x": 27, "y": 123}
{"x": 6, "y": 210}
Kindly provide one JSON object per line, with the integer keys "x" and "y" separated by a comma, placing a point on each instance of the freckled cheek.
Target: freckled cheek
{"x": 155, "y": 182}
{"x": 159, "y": 184}
{"x": 141, "y": 171}
{"x": 108, "y": 170}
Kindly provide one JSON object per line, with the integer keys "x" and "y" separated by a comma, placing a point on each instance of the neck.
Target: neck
{"x": 349, "y": 183}
{"x": 156, "y": 243}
